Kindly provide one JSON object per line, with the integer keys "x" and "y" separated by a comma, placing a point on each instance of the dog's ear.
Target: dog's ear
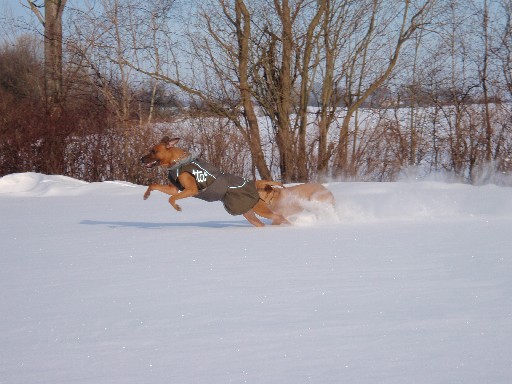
{"x": 169, "y": 142}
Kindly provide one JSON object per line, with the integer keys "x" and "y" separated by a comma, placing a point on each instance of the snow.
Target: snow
{"x": 407, "y": 282}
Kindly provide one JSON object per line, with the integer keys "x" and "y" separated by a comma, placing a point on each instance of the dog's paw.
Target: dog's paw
{"x": 174, "y": 205}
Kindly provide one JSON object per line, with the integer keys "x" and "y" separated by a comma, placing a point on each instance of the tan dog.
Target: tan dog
{"x": 288, "y": 201}
{"x": 191, "y": 177}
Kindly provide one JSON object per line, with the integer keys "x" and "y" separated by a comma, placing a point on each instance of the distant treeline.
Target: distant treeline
{"x": 290, "y": 90}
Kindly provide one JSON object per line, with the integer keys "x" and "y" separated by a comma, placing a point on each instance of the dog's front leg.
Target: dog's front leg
{"x": 167, "y": 189}
{"x": 189, "y": 189}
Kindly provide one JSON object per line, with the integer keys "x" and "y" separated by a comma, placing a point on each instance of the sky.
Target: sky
{"x": 24, "y": 20}
{"x": 12, "y": 8}
{"x": 19, "y": 8}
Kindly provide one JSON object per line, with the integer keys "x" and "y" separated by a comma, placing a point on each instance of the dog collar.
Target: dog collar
{"x": 184, "y": 161}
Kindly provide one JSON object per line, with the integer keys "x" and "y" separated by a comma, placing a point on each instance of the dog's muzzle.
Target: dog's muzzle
{"x": 149, "y": 164}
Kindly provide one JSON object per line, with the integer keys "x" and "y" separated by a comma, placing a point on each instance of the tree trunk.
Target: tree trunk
{"x": 305, "y": 87}
{"x": 284, "y": 135}
{"x": 53, "y": 142}
{"x": 487, "y": 113}
{"x": 52, "y": 22}
{"x": 253, "y": 130}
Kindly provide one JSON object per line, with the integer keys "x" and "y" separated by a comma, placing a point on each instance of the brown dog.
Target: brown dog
{"x": 288, "y": 201}
{"x": 192, "y": 177}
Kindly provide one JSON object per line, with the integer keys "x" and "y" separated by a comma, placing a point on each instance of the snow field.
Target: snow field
{"x": 403, "y": 283}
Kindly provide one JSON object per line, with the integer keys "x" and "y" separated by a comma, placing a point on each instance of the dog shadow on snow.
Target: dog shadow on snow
{"x": 148, "y": 225}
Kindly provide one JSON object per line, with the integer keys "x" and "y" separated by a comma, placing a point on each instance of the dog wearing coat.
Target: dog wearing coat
{"x": 190, "y": 176}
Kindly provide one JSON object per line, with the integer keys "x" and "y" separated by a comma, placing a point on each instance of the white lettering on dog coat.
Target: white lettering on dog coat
{"x": 199, "y": 175}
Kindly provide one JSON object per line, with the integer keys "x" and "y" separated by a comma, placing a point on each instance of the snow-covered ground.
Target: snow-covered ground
{"x": 405, "y": 283}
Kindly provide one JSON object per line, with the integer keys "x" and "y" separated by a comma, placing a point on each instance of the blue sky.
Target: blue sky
{"x": 24, "y": 20}
{"x": 12, "y": 8}
{"x": 19, "y": 8}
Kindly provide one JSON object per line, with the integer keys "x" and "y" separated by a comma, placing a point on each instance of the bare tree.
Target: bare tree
{"x": 356, "y": 92}
{"x": 289, "y": 52}
{"x": 307, "y": 77}
{"x": 217, "y": 86}
{"x": 504, "y": 49}
{"x": 484, "y": 74}
{"x": 252, "y": 133}
{"x": 342, "y": 20}
{"x": 52, "y": 23}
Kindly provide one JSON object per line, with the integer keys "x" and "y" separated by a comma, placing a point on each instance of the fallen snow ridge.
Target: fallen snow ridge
{"x": 403, "y": 283}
